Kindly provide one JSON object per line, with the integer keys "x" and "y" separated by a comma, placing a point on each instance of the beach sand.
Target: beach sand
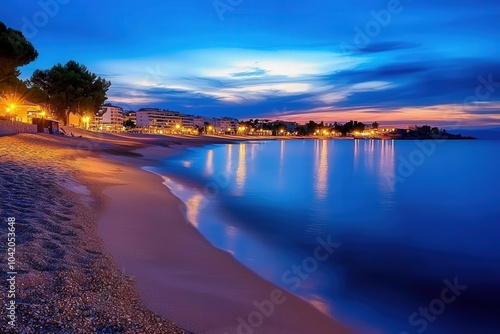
{"x": 105, "y": 209}
{"x": 65, "y": 282}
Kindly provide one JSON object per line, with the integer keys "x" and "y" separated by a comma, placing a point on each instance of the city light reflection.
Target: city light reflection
{"x": 241, "y": 170}
{"x": 209, "y": 167}
{"x": 321, "y": 168}
{"x": 229, "y": 159}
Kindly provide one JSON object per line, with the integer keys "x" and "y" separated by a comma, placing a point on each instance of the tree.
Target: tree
{"x": 337, "y": 127}
{"x": 352, "y": 126}
{"x": 375, "y": 125}
{"x": 311, "y": 126}
{"x": 15, "y": 51}
{"x": 71, "y": 88}
{"x": 301, "y": 130}
{"x": 208, "y": 127}
{"x": 129, "y": 123}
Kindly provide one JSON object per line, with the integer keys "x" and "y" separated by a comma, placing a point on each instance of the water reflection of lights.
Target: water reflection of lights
{"x": 209, "y": 167}
{"x": 387, "y": 167}
{"x": 241, "y": 170}
{"x": 321, "y": 168}
{"x": 282, "y": 160}
{"x": 229, "y": 161}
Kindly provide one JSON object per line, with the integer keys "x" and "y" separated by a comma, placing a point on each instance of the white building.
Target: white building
{"x": 157, "y": 118}
{"x": 226, "y": 124}
{"x": 164, "y": 119}
{"x": 187, "y": 121}
{"x": 111, "y": 118}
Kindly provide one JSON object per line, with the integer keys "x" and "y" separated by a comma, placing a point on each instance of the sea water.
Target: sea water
{"x": 384, "y": 236}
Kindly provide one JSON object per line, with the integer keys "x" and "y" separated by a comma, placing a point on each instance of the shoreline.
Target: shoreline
{"x": 219, "y": 300}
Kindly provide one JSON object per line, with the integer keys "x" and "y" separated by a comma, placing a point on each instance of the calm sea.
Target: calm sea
{"x": 411, "y": 228}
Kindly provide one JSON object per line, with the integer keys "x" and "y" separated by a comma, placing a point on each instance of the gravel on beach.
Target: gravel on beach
{"x": 65, "y": 282}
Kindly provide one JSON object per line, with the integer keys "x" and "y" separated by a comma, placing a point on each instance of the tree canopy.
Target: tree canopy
{"x": 15, "y": 51}
{"x": 70, "y": 88}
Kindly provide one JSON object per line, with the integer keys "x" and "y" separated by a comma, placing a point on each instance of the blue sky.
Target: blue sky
{"x": 396, "y": 62}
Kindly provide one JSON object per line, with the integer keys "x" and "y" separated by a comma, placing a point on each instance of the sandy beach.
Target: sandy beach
{"x": 103, "y": 245}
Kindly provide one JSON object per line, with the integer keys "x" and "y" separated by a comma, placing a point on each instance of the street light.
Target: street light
{"x": 86, "y": 120}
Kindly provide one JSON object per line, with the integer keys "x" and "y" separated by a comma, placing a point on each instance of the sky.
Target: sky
{"x": 394, "y": 62}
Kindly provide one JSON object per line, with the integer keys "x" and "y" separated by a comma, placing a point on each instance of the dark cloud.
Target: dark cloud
{"x": 386, "y": 46}
{"x": 422, "y": 84}
{"x": 257, "y": 72}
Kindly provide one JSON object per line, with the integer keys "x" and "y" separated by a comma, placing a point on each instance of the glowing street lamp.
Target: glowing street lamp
{"x": 86, "y": 120}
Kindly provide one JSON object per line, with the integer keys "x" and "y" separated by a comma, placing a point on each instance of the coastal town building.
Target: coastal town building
{"x": 187, "y": 121}
{"x": 22, "y": 111}
{"x": 199, "y": 121}
{"x": 154, "y": 118}
{"x": 158, "y": 118}
{"x": 111, "y": 118}
{"x": 226, "y": 124}
{"x": 288, "y": 126}
{"x": 108, "y": 118}
{"x": 75, "y": 120}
